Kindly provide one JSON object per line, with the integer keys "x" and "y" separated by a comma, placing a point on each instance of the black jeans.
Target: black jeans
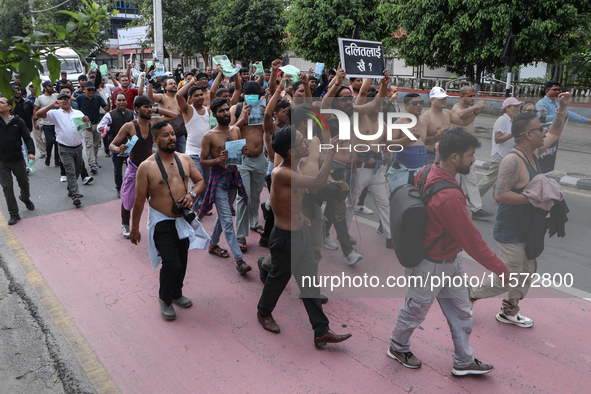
{"x": 267, "y": 215}
{"x": 335, "y": 211}
{"x": 19, "y": 169}
{"x": 51, "y": 142}
{"x": 291, "y": 252}
{"x": 118, "y": 169}
{"x": 174, "y": 253}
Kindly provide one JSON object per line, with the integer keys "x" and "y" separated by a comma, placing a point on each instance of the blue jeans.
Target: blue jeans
{"x": 224, "y": 199}
{"x": 181, "y": 144}
{"x": 118, "y": 169}
{"x": 205, "y": 174}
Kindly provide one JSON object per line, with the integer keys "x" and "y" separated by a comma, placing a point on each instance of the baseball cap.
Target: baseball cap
{"x": 64, "y": 73}
{"x": 46, "y": 83}
{"x": 438, "y": 93}
{"x": 62, "y": 95}
{"x": 510, "y": 101}
{"x": 89, "y": 85}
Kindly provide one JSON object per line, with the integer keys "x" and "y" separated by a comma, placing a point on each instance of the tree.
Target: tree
{"x": 11, "y": 18}
{"x": 23, "y": 54}
{"x": 467, "y": 37}
{"x": 249, "y": 30}
{"x": 577, "y": 71}
{"x": 315, "y": 25}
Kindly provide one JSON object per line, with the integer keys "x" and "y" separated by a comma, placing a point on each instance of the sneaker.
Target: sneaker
{"x": 407, "y": 359}
{"x": 518, "y": 319}
{"x": 481, "y": 214}
{"x": 93, "y": 171}
{"x": 125, "y": 230}
{"x": 380, "y": 229}
{"x": 87, "y": 180}
{"x": 183, "y": 302}
{"x": 28, "y": 203}
{"x": 329, "y": 244}
{"x": 13, "y": 219}
{"x": 167, "y": 311}
{"x": 363, "y": 209}
{"x": 353, "y": 257}
{"x": 63, "y": 178}
{"x": 476, "y": 368}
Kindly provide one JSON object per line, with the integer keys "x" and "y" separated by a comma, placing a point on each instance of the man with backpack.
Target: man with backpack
{"x": 448, "y": 230}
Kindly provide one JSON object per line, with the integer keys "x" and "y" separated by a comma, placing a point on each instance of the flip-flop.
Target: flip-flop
{"x": 242, "y": 267}
{"x": 242, "y": 244}
{"x": 223, "y": 253}
{"x": 259, "y": 229}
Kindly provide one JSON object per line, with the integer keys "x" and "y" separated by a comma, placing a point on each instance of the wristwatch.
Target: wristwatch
{"x": 193, "y": 194}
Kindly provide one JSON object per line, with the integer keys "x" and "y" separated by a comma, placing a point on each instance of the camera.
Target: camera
{"x": 187, "y": 213}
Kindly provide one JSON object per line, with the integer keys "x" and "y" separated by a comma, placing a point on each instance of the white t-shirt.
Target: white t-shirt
{"x": 65, "y": 129}
{"x": 44, "y": 101}
{"x": 196, "y": 129}
{"x": 498, "y": 151}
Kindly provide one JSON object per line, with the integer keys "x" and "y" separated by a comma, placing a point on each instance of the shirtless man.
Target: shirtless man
{"x": 140, "y": 151}
{"x": 252, "y": 170}
{"x": 469, "y": 183}
{"x": 168, "y": 101}
{"x": 166, "y": 244}
{"x": 290, "y": 238}
{"x": 438, "y": 117}
{"x": 196, "y": 118}
{"x": 224, "y": 182}
{"x": 410, "y": 160}
{"x": 371, "y": 160}
{"x": 516, "y": 170}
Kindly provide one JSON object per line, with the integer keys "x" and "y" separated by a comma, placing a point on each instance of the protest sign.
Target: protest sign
{"x": 234, "y": 149}
{"x": 362, "y": 59}
{"x": 227, "y": 68}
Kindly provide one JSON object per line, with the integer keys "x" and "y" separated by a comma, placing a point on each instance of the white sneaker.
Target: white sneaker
{"x": 87, "y": 180}
{"x": 63, "y": 178}
{"x": 329, "y": 244}
{"x": 353, "y": 257}
{"x": 125, "y": 230}
{"x": 363, "y": 209}
{"x": 519, "y": 320}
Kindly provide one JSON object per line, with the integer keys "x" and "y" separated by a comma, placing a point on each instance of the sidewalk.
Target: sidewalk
{"x": 109, "y": 293}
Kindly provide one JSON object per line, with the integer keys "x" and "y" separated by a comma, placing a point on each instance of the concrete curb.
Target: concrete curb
{"x": 564, "y": 180}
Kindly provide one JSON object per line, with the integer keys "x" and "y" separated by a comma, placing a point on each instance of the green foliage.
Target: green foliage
{"x": 535, "y": 80}
{"x": 468, "y": 36}
{"x": 12, "y": 18}
{"x": 577, "y": 71}
{"x": 185, "y": 23}
{"x": 314, "y": 26}
{"x": 23, "y": 54}
{"x": 248, "y": 30}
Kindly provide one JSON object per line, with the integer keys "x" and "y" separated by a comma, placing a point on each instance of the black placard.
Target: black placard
{"x": 362, "y": 59}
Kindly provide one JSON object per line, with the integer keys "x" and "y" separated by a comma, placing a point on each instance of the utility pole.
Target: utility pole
{"x": 508, "y": 56}
{"x": 158, "y": 33}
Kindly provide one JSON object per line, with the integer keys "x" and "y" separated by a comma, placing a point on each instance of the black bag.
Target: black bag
{"x": 408, "y": 218}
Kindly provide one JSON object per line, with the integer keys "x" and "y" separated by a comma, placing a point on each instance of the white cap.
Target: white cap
{"x": 438, "y": 93}
{"x": 168, "y": 74}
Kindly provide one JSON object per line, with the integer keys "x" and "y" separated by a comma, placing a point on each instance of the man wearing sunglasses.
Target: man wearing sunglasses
{"x": 550, "y": 103}
{"x": 517, "y": 169}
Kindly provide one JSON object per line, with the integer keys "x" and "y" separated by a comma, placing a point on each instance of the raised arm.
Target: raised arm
{"x": 274, "y": 70}
{"x": 155, "y": 97}
{"x": 237, "y": 90}
{"x": 360, "y": 99}
{"x": 374, "y": 104}
{"x": 557, "y": 124}
{"x": 332, "y": 92}
{"x": 216, "y": 82}
{"x": 268, "y": 125}
{"x": 317, "y": 182}
{"x": 180, "y": 97}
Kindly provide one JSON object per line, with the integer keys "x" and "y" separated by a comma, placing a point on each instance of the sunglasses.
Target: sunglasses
{"x": 529, "y": 110}
{"x": 540, "y": 128}
{"x": 90, "y": 89}
{"x": 419, "y": 102}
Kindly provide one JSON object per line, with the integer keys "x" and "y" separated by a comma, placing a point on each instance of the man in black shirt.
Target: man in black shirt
{"x": 63, "y": 82}
{"x": 90, "y": 105}
{"x": 13, "y": 131}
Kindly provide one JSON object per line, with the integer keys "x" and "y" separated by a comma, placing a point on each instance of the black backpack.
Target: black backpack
{"x": 408, "y": 217}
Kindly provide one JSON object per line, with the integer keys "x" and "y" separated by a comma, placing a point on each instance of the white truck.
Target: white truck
{"x": 70, "y": 63}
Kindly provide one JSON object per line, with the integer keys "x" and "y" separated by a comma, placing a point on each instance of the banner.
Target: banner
{"x": 132, "y": 35}
{"x": 362, "y": 59}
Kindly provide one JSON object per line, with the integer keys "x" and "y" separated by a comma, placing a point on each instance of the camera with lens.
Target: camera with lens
{"x": 186, "y": 213}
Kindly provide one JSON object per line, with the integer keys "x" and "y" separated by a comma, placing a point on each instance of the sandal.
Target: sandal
{"x": 242, "y": 267}
{"x": 242, "y": 244}
{"x": 258, "y": 230}
{"x": 216, "y": 250}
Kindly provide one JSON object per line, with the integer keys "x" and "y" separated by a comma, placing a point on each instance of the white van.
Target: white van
{"x": 70, "y": 63}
